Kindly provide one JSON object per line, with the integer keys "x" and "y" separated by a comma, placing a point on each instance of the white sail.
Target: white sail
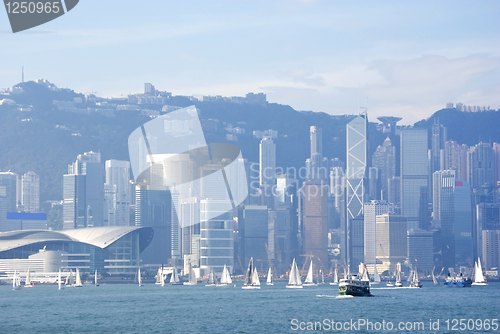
{"x": 398, "y": 275}
{"x": 139, "y": 278}
{"x": 336, "y": 276}
{"x": 255, "y": 277}
{"x": 269, "y": 280}
{"x": 310, "y": 277}
{"x": 376, "y": 276}
{"x": 159, "y": 276}
{"x": 71, "y": 279}
{"x": 78, "y": 281}
{"x": 28, "y": 284}
{"x": 322, "y": 277}
{"x": 95, "y": 279}
{"x": 192, "y": 276}
{"x": 16, "y": 281}
{"x": 174, "y": 278}
{"x": 434, "y": 280}
{"x": 294, "y": 280}
{"x": 212, "y": 279}
{"x": 478, "y": 274}
{"x": 226, "y": 277}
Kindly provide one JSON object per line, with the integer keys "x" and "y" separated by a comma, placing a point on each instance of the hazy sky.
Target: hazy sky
{"x": 408, "y": 57}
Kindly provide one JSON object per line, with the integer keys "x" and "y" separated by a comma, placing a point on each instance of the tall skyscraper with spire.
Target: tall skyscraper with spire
{"x": 356, "y": 131}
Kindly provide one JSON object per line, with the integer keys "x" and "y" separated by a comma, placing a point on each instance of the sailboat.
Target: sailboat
{"x": 414, "y": 281}
{"x": 192, "y": 276}
{"x": 225, "y": 279}
{"x": 252, "y": 277}
{"x": 70, "y": 281}
{"x": 398, "y": 275}
{"x": 59, "y": 280}
{"x": 376, "y": 276}
{"x": 294, "y": 281}
{"x": 335, "y": 277}
{"x": 78, "y": 281}
{"x": 362, "y": 269}
{"x": 174, "y": 278}
{"x": 139, "y": 277}
{"x": 28, "y": 283}
{"x": 212, "y": 279}
{"x": 309, "y": 281}
{"x": 269, "y": 280}
{"x": 95, "y": 279}
{"x": 434, "y": 280}
{"x": 322, "y": 277}
{"x": 16, "y": 281}
{"x": 159, "y": 277}
{"x": 478, "y": 274}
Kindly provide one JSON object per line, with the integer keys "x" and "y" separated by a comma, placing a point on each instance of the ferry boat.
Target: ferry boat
{"x": 458, "y": 281}
{"x": 354, "y": 286}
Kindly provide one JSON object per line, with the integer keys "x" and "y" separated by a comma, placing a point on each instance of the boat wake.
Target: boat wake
{"x": 334, "y": 297}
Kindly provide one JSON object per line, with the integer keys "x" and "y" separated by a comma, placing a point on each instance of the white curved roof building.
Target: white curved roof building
{"x": 114, "y": 250}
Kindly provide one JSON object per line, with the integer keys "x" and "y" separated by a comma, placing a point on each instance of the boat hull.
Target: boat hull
{"x": 294, "y": 286}
{"x": 355, "y": 288}
{"x": 479, "y": 283}
{"x": 310, "y": 284}
{"x": 458, "y": 284}
{"x": 250, "y": 287}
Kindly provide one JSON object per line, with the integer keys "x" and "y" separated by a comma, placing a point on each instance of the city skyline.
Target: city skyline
{"x": 406, "y": 59}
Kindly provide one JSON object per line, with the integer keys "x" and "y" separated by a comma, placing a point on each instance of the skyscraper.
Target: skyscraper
{"x": 438, "y": 140}
{"x": 481, "y": 165}
{"x": 216, "y": 242}
{"x": 31, "y": 192}
{"x": 371, "y": 211}
{"x": 313, "y": 213}
{"x": 83, "y": 192}
{"x": 487, "y": 234}
{"x": 356, "y": 131}
{"x": 496, "y": 152}
{"x": 391, "y": 241}
{"x": 384, "y": 159}
{"x": 9, "y": 181}
{"x": 414, "y": 173}
{"x": 118, "y": 177}
{"x": 456, "y": 222}
{"x": 316, "y": 165}
{"x": 255, "y": 234}
{"x": 267, "y": 162}
{"x": 455, "y": 157}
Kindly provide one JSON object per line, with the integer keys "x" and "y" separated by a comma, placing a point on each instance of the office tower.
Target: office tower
{"x": 455, "y": 157}
{"x": 440, "y": 178}
{"x": 384, "y": 159}
{"x": 481, "y": 165}
{"x": 176, "y": 233}
{"x": 117, "y": 191}
{"x": 438, "y": 140}
{"x": 285, "y": 222}
{"x": 31, "y": 192}
{"x": 83, "y": 192}
{"x": 487, "y": 231}
{"x": 4, "y": 226}
{"x": 190, "y": 223}
{"x": 254, "y": 229}
{"x": 414, "y": 173}
{"x": 154, "y": 209}
{"x": 216, "y": 238}
{"x": 336, "y": 198}
{"x": 456, "y": 222}
{"x": 9, "y": 180}
{"x": 371, "y": 211}
{"x": 391, "y": 241}
{"x": 394, "y": 192}
{"x": 374, "y": 184}
{"x": 313, "y": 213}
{"x": 420, "y": 252}
{"x": 356, "y": 132}
{"x": 316, "y": 165}
{"x": 267, "y": 158}
{"x": 496, "y": 152}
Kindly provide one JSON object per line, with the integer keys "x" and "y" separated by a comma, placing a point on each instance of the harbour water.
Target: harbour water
{"x": 127, "y": 308}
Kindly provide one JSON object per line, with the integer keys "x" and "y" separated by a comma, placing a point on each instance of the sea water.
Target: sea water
{"x": 128, "y": 308}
